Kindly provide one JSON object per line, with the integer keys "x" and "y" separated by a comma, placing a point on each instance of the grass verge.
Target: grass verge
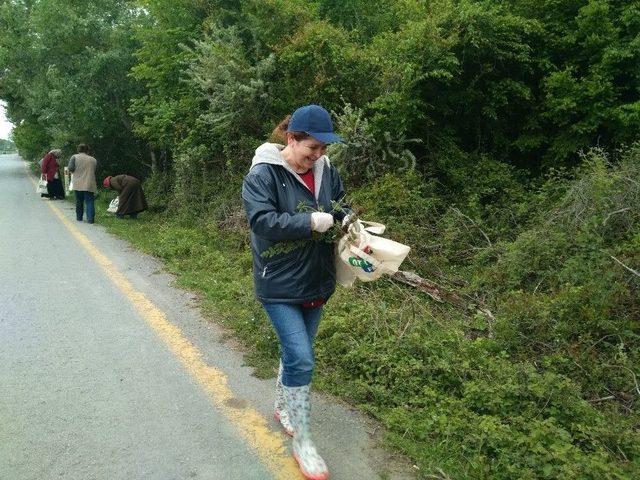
{"x": 455, "y": 402}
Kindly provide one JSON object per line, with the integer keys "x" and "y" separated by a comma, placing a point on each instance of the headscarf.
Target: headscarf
{"x": 56, "y": 152}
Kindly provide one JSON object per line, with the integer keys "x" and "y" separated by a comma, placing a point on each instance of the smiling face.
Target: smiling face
{"x": 302, "y": 154}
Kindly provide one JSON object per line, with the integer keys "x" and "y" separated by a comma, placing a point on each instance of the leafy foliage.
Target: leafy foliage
{"x": 561, "y": 285}
{"x": 69, "y": 84}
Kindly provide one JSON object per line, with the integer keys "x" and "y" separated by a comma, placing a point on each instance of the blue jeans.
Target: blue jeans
{"x": 296, "y": 328}
{"x": 83, "y": 197}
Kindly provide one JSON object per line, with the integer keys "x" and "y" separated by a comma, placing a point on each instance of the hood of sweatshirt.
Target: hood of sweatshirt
{"x": 271, "y": 153}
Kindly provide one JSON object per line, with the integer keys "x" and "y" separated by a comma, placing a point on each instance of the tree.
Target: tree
{"x": 71, "y": 82}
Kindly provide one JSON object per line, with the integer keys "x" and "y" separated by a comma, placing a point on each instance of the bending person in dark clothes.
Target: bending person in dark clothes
{"x": 131, "y": 200}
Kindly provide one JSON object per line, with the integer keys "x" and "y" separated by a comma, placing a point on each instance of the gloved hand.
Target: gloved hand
{"x": 321, "y": 221}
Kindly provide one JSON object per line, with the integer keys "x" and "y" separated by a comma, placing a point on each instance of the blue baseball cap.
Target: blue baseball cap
{"x": 314, "y": 120}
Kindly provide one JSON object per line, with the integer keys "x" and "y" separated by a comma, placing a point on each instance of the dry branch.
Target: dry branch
{"x": 438, "y": 293}
{"x": 628, "y": 268}
{"x": 472, "y": 223}
{"x": 622, "y": 210}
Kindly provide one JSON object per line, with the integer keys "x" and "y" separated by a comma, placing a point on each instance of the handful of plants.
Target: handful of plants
{"x": 333, "y": 235}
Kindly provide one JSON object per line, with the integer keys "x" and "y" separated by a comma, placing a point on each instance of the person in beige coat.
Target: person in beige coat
{"x": 83, "y": 167}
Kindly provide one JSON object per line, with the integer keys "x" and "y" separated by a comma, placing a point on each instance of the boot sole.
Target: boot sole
{"x": 319, "y": 476}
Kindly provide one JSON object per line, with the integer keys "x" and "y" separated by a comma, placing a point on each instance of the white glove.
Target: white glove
{"x": 321, "y": 221}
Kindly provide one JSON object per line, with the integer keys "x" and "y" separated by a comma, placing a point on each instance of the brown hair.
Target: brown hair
{"x": 279, "y": 134}
{"x": 83, "y": 148}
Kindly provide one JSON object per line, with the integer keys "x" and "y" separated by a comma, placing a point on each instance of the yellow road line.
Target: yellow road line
{"x": 252, "y": 426}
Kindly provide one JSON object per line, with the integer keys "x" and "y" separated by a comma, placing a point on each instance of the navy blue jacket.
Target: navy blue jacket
{"x": 271, "y": 192}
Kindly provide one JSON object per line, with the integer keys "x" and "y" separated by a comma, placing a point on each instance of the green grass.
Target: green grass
{"x": 210, "y": 265}
{"x": 448, "y": 393}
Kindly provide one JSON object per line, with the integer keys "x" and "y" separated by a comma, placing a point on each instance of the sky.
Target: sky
{"x": 5, "y": 126}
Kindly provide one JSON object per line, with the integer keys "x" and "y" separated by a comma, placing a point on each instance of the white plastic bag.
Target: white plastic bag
{"x": 362, "y": 254}
{"x": 68, "y": 180}
{"x": 42, "y": 186}
{"x": 113, "y": 206}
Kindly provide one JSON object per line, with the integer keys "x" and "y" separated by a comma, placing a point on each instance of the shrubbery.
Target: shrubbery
{"x": 546, "y": 389}
{"x": 564, "y": 295}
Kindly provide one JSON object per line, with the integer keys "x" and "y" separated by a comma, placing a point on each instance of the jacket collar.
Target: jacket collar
{"x": 271, "y": 153}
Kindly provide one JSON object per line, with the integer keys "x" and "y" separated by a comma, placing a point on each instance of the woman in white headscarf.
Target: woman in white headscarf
{"x": 51, "y": 172}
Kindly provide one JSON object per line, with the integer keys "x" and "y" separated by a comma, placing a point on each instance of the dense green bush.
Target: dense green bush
{"x": 562, "y": 291}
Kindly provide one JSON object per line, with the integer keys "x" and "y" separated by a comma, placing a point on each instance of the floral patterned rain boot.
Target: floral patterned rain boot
{"x": 280, "y": 407}
{"x": 310, "y": 462}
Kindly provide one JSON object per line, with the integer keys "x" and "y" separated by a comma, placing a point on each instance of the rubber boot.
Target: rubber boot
{"x": 280, "y": 406}
{"x": 310, "y": 462}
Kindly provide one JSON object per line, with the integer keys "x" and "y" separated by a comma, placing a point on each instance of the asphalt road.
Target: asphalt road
{"x": 107, "y": 371}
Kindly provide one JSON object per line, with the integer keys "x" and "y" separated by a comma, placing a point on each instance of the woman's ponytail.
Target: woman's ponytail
{"x": 279, "y": 134}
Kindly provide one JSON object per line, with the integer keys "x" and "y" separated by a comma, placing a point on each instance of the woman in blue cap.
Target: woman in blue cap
{"x": 295, "y": 283}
